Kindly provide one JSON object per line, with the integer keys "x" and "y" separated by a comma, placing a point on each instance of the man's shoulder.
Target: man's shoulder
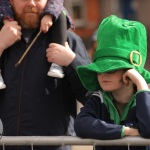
{"x": 72, "y": 35}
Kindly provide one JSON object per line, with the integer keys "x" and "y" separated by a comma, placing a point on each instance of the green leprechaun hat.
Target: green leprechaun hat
{"x": 120, "y": 44}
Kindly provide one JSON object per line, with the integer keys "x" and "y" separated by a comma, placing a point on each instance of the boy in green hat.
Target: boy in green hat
{"x": 120, "y": 104}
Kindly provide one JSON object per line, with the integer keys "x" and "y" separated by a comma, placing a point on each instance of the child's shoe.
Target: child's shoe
{"x": 2, "y": 85}
{"x": 55, "y": 71}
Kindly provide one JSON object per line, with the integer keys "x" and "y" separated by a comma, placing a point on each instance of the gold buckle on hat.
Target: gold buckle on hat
{"x": 131, "y": 58}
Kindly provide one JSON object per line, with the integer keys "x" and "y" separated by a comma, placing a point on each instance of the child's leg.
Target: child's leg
{"x": 2, "y": 85}
{"x": 59, "y": 30}
{"x": 59, "y": 35}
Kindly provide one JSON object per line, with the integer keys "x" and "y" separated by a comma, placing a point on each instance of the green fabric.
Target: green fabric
{"x": 120, "y": 44}
{"x": 114, "y": 115}
{"x": 122, "y": 133}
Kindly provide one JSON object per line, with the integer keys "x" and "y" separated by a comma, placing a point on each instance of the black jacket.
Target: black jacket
{"x": 99, "y": 119}
{"x": 34, "y": 103}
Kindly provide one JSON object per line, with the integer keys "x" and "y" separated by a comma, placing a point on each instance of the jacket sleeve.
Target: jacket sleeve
{"x": 5, "y": 10}
{"x": 143, "y": 112}
{"x": 82, "y": 58}
{"x": 89, "y": 124}
{"x": 54, "y": 7}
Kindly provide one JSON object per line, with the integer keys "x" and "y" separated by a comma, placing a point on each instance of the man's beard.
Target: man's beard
{"x": 29, "y": 19}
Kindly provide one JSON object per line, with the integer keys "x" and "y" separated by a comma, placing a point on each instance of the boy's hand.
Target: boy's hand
{"x": 131, "y": 132}
{"x": 136, "y": 78}
{"x": 46, "y": 23}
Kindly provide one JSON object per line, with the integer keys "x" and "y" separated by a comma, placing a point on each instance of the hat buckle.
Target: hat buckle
{"x": 134, "y": 55}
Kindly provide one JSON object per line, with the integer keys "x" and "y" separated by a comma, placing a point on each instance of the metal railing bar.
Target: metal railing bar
{"x": 70, "y": 140}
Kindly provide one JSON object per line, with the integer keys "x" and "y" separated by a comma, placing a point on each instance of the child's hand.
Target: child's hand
{"x": 136, "y": 78}
{"x": 131, "y": 132}
{"x": 46, "y": 23}
{"x": 5, "y": 21}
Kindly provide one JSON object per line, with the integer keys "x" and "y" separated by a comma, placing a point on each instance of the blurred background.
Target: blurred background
{"x": 88, "y": 14}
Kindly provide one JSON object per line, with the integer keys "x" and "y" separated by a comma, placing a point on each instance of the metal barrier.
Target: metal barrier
{"x": 70, "y": 140}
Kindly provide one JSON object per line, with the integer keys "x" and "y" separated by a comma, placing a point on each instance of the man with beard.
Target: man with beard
{"x": 34, "y": 104}
{"x": 54, "y": 14}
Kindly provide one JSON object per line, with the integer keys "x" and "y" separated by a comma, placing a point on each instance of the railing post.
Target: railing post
{"x": 128, "y": 146}
{"x": 31, "y": 146}
{"x": 3, "y": 146}
{"x": 94, "y": 146}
